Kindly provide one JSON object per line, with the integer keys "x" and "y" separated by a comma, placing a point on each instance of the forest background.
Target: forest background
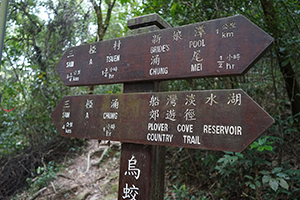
{"x": 39, "y": 31}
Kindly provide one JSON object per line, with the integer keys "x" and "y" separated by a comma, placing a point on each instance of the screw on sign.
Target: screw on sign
{"x": 221, "y": 47}
{"x": 224, "y": 120}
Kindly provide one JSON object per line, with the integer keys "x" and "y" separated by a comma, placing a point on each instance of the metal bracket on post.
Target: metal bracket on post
{"x": 145, "y": 162}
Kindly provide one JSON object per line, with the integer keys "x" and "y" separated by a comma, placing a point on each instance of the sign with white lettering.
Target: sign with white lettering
{"x": 225, "y": 120}
{"x": 222, "y": 47}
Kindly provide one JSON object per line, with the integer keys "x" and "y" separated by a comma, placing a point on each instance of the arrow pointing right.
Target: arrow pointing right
{"x": 224, "y": 120}
{"x": 222, "y": 47}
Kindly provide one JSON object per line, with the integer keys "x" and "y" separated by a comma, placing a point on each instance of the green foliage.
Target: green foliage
{"x": 236, "y": 175}
{"x": 181, "y": 192}
{"x": 269, "y": 169}
{"x": 37, "y": 35}
{"x": 43, "y": 176}
{"x": 29, "y": 82}
{"x": 227, "y": 163}
{"x": 184, "y": 193}
{"x": 275, "y": 178}
{"x": 253, "y": 182}
{"x": 262, "y": 144}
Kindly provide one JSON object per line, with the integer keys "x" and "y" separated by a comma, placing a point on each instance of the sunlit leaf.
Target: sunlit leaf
{"x": 266, "y": 179}
{"x": 283, "y": 183}
{"x": 273, "y": 184}
{"x": 268, "y": 147}
{"x": 282, "y": 175}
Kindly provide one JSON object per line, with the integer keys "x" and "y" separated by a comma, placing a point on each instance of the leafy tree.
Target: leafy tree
{"x": 279, "y": 18}
{"x": 38, "y": 33}
{"x": 285, "y": 29}
{"x": 262, "y": 171}
{"x": 34, "y": 43}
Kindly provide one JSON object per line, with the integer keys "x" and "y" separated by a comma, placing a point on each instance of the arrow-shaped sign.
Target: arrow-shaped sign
{"x": 222, "y": 47}
{"x": 226, "y": 120}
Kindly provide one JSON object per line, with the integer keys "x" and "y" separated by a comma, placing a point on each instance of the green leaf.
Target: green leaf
{"x": 283, "y": 175}
{"x": 273, "y": 184}
{"x": 124, "y": 1}
{"x": 268, "y": 147}
{"x": 285, "y": 62}
{"x": 266, "y": 179}
{"x": 239, "y": 155}
{"x": 261, "y": 148}
{"x": 233, "y": 159}
{"x": 264, "y": 172}
{"x": 39, "y": 170}
{"x": 250, "y": 177}
{"x": 254, "y": 145}
{"x": 283, "y": 183}
{"x": 257, "y": 183}
{"x": 252, "y": 186}
{"x": 221, "y": 160}
{"x": 173, "y": 8}
{"x": 262, "y": 141}
{"x": 276, "y": 170}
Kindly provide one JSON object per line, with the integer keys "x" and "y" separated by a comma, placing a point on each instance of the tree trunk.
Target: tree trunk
{"x": 286, "y": 68}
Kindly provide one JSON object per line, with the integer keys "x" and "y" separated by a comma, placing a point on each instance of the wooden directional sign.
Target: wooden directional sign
{"x": 222, "y": 47}
{"x": 226, "y": 120}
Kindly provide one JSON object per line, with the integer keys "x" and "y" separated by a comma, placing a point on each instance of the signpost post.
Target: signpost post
{"x": 148, "y": 161}
{"x": 224, "y": 120}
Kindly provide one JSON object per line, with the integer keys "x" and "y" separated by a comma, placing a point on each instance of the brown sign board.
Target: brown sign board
{"x": 225, "y": 120}
{"x": 222, "y": 47}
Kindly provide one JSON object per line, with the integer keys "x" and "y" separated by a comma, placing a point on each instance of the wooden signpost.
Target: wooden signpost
{"x": 221, "y": 47}
{"x": 224, "y": 120}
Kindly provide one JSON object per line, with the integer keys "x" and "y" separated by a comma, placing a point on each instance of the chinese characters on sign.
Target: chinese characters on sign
{"x": 206, "y": 49}
{"x": 110, "y": 127}
{"x": 157, "y": 51}
{"x": 171, "y": 113}
{"x": 132, "y": 169}
{"x": 66, "y": 114}
{"x": 213, "y": 120}
{"x": 185, "y": 119}
{"x": 162, "y": 111}
{"x": 110, "y": 71}
{"x": 130, "y": 192}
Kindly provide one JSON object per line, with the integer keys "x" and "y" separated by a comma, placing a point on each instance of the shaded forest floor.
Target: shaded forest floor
{"x": 82, "y": 178}
{"x": 92, "y": 174}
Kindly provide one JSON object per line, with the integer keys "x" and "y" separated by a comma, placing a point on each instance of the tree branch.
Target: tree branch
{"x": 98, "y": 11}
{"x": 108, "y": 16}
{"x": 102, "y": 26}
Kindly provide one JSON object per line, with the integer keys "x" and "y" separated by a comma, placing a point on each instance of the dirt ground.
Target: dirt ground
{"x": 83, "y": 179}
